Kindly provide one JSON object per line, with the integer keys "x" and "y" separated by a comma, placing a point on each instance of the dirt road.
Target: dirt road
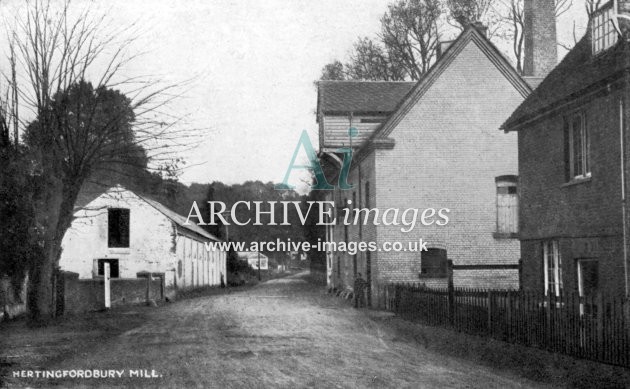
{"x": 283, "y": 333}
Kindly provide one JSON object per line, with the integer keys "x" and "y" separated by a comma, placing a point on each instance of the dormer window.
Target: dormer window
{"x": 603, "y": 32}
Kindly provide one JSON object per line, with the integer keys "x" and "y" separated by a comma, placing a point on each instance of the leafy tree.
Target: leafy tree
{"x": 216, "y": 230}
{"x": 80, "y": 128}
{"x": 255, "y": 191}
{"x": 405, "y": 49}
{"x": 466, "y": 12}
{"x": 19, "y": 235}
{"x": 333, "y": 71}
{"x": 313, "y": 233}
{"x": 370, "y": 61}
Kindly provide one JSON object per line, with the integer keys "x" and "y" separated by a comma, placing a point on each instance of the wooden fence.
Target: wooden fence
{"x": 596, "y": 328}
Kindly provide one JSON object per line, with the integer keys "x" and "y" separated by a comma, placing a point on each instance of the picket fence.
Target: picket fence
{"x": 594, "y": 327}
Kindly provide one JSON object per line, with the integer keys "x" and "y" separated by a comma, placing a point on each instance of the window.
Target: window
{"x": 433, "y": 262}
{"x": 118, "y": 227}
{"x": 113, "y": 268}
{"x": 588, "y": 277}
{"x": 577, "y": 148}
{"x": 603, "y": 31}
{"x": 588, "y": 285}
{"x": 507, "y": 206}
{"x": 552, "y": 268}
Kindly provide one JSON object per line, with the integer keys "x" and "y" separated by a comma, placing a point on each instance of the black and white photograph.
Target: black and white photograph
{"x": 314, "y": 194}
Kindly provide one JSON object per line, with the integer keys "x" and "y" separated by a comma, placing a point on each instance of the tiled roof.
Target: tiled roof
{"x": 361, "y": 96}
{"x": 578, "y": 71}
{"x": 179, "y": 219}
{"x": 86, "y": 197}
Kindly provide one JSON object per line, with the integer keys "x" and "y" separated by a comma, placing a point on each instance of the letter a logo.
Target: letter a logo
{"x": 315, "y": 167}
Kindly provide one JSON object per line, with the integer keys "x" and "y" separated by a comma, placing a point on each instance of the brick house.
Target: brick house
{"x": 430, "y": 144}
{"x": 573, "y": 149}
{"x": 136, "y": 235}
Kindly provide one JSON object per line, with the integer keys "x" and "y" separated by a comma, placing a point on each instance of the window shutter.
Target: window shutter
{"x": 567, "y": 150}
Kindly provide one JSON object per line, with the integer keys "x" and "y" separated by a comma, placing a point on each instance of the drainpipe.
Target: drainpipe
{"x": 622, "y": 136}
{"x": 623, "y": 194}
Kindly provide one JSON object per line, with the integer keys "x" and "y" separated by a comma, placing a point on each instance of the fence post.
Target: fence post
{"x": 600, "y": 326}
{"x": 548, "y": 320}
{"x": 626, "y": 329}
{"x": 107, "y": 280}
{"x": 451, "y": 293}
{"x": 148, "y": 291}
{"x": 490, "y": 309}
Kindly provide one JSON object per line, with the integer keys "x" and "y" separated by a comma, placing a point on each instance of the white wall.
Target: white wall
{"x": 199, "y": 266}
{"x": 155, "y": 244}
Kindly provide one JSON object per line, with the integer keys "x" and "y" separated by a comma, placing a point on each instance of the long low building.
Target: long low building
{"x": 135, "y": 236}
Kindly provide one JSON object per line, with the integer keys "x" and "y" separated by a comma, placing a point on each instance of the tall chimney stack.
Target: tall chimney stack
{"x": 541, "y": 53}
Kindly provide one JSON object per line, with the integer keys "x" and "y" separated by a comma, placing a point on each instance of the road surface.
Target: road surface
{"x": 283, "y": 333}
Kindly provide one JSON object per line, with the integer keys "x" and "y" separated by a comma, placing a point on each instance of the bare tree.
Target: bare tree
{"x": 514, "y": 19}
{"x": 591, "y": 6}
{"x": 409, "y": 31}
{"x": 58, "y": 51}
{"x": 563, "y": 6}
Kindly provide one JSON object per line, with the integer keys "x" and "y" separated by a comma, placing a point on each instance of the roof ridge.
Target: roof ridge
{"x": 369, "y": 81}
{"x": 471, "y": 33}
{"x": 193, "y": 227}
{"x": 575, "y": 75}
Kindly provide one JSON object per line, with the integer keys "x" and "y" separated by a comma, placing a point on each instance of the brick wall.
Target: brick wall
{"x": 585, "y": 217}
{"x": 11, "y": 304}
{"x": 362, "y": 174}
{"x": 448, "y": 152}
{"x": 82, "y": 295}
{"x": 539, "y": 33}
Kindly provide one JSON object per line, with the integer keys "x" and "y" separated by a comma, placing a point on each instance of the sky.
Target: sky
{"x": 255, "y": 63}
{"x": 249, "y": 68}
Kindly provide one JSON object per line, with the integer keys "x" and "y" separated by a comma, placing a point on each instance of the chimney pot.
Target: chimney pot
{"x": 482, "y": 28}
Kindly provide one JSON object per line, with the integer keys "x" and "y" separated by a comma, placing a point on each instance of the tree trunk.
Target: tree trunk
{"x": 58, "y": 211}
{"x": 41, "y": 292}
